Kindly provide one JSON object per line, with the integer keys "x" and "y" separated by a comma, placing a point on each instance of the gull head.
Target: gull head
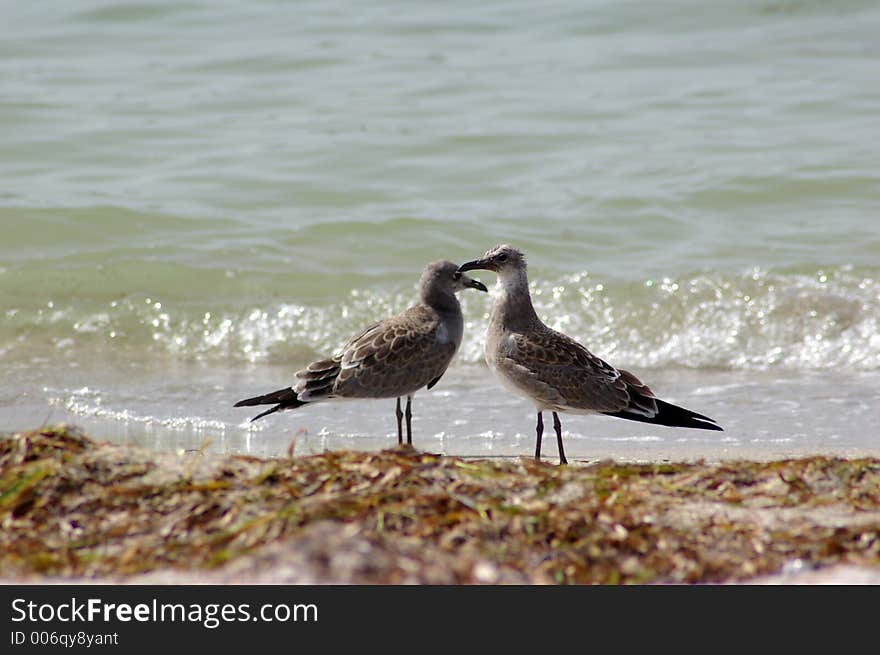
{"x": 504, "y": 260}
{"x": 444, "y": 276}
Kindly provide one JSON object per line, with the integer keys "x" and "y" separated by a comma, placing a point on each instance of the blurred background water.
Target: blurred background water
{"x": 197, "y": 198}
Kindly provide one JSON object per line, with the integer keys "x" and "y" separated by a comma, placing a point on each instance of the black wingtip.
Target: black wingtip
{"x": 282, "y": 396}
{"x": 267, "y": 412}
{"x": 672, "y": 416}
{"x": 282, "y": 399}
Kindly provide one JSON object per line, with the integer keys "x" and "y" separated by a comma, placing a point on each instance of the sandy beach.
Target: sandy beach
{"x": 77, "y": 510}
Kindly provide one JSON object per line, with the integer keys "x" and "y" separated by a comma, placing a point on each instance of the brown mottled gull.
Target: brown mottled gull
{"x": 389, "y": 359}
{"x": 553, "y": 370}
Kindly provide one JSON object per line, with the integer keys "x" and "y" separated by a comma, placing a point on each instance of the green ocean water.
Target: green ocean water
{"x": 196, "y": 198}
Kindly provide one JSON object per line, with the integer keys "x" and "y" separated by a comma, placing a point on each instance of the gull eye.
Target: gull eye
{"x": 456, "y": 275}
{"x": 502, "y": 258}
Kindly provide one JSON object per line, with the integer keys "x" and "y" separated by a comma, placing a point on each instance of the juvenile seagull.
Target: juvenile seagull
{"x": 389, "y": 359}
{"x": 553, "y": 370}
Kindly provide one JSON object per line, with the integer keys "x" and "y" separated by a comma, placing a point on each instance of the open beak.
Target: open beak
{"x": 476, "y": 284}
{"x": 477, "y": 264}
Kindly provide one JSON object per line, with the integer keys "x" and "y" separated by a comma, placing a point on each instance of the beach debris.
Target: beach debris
{"x": 71, "y": 507}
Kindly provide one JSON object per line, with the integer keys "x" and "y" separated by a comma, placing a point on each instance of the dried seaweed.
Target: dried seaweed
{"x": 71, "y": 507}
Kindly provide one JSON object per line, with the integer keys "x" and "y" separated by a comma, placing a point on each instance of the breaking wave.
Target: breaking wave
{"x": 754, "y": 320}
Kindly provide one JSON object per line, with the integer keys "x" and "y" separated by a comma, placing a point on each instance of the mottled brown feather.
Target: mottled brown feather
{"x": 563, "y": 375}
{"x": 394, "y": 357}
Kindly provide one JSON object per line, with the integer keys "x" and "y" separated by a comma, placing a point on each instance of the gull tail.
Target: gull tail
{"x": 672, "y": 415}
{"x": 282, "y": 399}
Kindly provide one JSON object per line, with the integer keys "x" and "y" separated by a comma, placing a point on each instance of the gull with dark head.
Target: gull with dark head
{"x": 390, "y": 359}
{"x": 553, "y": 370}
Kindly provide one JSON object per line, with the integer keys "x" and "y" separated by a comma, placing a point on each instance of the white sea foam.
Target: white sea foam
{"x": 88, "y": 402}
{"x": 752, "y": 322}
{"x": 755, "y": 321}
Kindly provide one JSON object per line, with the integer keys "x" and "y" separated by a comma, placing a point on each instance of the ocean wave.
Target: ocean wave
{"x": 755, "y": 320}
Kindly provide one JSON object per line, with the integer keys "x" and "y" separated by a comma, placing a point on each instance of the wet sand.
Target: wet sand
{"x": 766, "y": 416}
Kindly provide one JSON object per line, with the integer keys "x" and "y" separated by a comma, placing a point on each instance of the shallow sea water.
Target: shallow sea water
{"x": 196, "y": 199}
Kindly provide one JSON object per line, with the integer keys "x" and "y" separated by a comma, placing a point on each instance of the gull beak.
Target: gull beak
{"x": 477, "y": 264}
{"x": 475, "y": 284}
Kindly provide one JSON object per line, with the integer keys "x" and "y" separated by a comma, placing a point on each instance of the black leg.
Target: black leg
{"x": 558, "y": 427}
{"x": 540, "y": 431}
{"x": 399, "y": 423}
{"x": 409, "y": 420}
